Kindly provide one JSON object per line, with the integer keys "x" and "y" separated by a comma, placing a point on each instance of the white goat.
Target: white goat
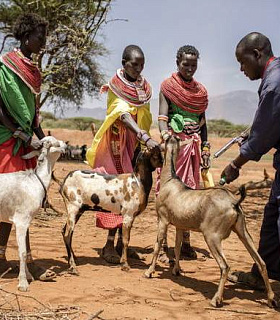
{"x": 22, "y": 194}
{"x": 215, "y": 212}
{"x": 126, "y": 194}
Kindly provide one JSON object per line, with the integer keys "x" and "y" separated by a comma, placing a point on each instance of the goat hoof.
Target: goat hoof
{"x": 73, "y": 271}
{"x": 216, "y": 302}
{"x": 125, "y": 267}
{"x": 176, "y": 272}
{"x": 147, "y": 274}
{"x": 273, "y": 303}
{"x": 23, "y": 287}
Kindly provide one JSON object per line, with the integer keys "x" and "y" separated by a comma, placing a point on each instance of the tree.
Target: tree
{"x": 69, "y": 62}
{"x": 82, "y": 123}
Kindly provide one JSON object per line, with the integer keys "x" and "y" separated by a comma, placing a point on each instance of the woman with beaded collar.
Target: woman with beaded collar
{"x": 20, "y": 83}
{"x": 182, "y": 105}
{"x": 123, "y": 132}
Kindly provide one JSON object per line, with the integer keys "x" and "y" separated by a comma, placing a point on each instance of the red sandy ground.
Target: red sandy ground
{"x": 127, "y": 295}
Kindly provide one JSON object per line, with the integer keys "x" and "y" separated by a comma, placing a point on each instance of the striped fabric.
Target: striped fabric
{"x": 189, "y": 96}
{"x": 25, "y": 68}
{"x": 135, "y": 93}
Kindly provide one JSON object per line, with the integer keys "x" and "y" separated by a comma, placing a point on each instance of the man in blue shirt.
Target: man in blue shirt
{"x": 254, "y": 53}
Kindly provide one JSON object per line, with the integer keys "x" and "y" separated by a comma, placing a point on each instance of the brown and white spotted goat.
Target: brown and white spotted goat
{"x": 126, "y": 194}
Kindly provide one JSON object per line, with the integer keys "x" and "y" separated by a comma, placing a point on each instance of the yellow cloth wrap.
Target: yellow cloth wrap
{"x": 207, "y": 178}
{"x": 115, "y": 108}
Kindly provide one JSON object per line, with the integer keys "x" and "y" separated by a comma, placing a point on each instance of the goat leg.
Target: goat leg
{"x": 177, "y": 250}
{"x": 67, "y": 232}
{"x": 244, "y": 236}
{"x": 213, "y": 241}
{"x": 162, "y": 231}
{"x": 126, "y": 228}
{"x": 21, "y": 231}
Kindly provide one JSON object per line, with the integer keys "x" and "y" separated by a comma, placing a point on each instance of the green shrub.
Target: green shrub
{"x": 47, "y": 115}
{"x": 224, "y": 128}
{"x": 76, "y": 123}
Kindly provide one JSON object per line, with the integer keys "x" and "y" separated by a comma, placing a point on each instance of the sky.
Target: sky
{"x": 214, "y": 27}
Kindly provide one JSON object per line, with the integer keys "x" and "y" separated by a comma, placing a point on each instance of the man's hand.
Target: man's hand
{"x": 230, "y": 173}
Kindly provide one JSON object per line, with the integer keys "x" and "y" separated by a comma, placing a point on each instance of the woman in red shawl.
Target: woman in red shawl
{"x": 20, "y": 83}
{"x": 182, "y": 105}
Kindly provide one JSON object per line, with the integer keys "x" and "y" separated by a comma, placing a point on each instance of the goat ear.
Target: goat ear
{"x": 31, "y": 154}
{"x": 162, "y": 147}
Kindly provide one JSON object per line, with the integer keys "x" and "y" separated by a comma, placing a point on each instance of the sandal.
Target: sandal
{"x": 110, "y": 256}
{"x": 247, "y": 279}
{"x": 131, "y": 253}
{"x": 188, "y": 252}
{"x": 40, "y": 273}
{"x": 163, "y": 258}
{"x": 6, "y": 267}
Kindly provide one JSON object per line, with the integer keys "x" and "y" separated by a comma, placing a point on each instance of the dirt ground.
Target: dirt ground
{"x": 128, "y": 295}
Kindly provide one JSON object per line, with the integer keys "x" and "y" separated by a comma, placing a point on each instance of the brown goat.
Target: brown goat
{"x": 215, "y": 212}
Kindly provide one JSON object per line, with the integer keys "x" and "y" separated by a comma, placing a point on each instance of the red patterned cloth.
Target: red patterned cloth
{"x": 135, "y": 93}
{"x": 25, "y": 68}
{"x": 13, "y": 163}
{"x": 108, "y": 220}
{"x": 189, "y": 96}
{"x": 28, "y": 72}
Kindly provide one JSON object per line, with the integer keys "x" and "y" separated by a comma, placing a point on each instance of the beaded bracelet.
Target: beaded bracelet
{"x": 142, "y": 135}
{"x": 163, "y": 117}
{"x": 164, "y": 134}
{"x": 205, "y": 146}
{"x": 20, "y": 134}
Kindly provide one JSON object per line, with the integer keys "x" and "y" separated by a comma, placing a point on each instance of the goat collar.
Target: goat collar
{"x": 137, "y": 181}
{"x": 44, "y": 203}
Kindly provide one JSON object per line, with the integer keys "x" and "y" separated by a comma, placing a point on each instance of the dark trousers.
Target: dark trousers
{"x": 269, "y": 246}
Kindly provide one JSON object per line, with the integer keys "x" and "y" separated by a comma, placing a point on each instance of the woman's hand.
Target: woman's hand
{"x": 36, "y": 144}
{"x": 206, "y": 162}
{"x": 205, "y": 155}
{"x": 152, "y": 144}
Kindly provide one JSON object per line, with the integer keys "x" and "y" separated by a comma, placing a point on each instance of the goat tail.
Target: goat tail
{"x": 59, "y": 182}
{"x": 242, "y": 191}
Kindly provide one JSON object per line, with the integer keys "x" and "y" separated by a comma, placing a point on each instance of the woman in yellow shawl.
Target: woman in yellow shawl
{"x": 116, "y": 143}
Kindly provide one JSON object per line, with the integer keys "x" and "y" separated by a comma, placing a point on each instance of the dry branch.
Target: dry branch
{"x": 237, "y": 311}
{"x": 95, "y": 315}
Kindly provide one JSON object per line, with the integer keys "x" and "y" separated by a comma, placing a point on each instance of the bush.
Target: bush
{"x": 224, "y": 128}
{"x": 47, "y": 115}
{"x": 83, "y": 123}
{"x": 76, "y": 123}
